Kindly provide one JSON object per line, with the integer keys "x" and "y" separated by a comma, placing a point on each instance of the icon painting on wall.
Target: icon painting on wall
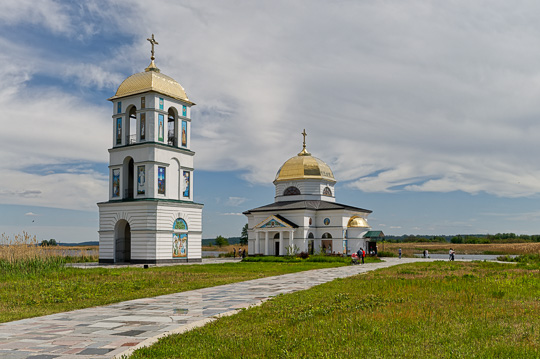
{"x": 161, "y": 180}
{"x": 161, "y": 128}
{"x": 184, "y": 133}
{"x": 186, "y": 184}
{"x": 180, "y": 245}
{"x": 141, "y": 179}
{"x": 118, "y": 130}
{"x": 116, "y": 183}
{"x": 143, "y": 126}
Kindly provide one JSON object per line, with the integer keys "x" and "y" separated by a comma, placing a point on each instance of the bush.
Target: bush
{"x": 303, "y": 255}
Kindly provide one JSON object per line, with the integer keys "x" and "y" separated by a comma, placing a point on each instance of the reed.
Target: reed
{"x": 22, "y": 255}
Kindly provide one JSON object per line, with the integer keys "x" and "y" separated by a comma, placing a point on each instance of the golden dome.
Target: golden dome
{"x": 151, "y": 80}
{"x": 304, "y": 166}
{"x": 357, "y": 222}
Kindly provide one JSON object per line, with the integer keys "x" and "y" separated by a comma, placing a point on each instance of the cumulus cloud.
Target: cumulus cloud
{"x": 395, "y": 96}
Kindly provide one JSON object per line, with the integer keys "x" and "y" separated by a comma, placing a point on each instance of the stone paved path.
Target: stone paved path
{"x": 113, "y": 330}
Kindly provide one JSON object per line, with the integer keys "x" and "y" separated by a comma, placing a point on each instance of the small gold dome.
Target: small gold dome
{"x": 304, "y": 166}
{"x": 151, "y": 80}
{"x": 357, "y": 222}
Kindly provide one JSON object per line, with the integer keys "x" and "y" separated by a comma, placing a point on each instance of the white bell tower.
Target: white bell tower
{"x": 150, "y": 216}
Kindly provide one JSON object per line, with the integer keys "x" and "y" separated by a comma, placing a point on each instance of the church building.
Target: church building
{"x": 150, "y": 216}
{"x": 305, "y": 216}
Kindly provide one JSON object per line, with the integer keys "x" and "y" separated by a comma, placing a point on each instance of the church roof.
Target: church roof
{"x": 314, "y": 205}
{"x": 151, "y": 80}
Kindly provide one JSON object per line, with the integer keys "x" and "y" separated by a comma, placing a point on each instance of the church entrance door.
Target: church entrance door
{"x": 122, "y": 242}
{"x": 276, "y": 248}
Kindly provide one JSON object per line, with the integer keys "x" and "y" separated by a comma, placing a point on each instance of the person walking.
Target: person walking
{"x": 363, "y": 255}
{"x": 243, "y": 254}
{"x": 399, "y": 252}
{"x": 234, "y": 252}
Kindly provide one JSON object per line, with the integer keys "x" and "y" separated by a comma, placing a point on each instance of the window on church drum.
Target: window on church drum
{"x": 327, "y": 235}
{"x": 291, "y": 191}
{"x": 310, "y": 235}
{"x": 327, "y": 191}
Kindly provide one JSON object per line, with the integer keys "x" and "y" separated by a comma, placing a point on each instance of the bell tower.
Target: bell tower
{"x": 150, "y": 216}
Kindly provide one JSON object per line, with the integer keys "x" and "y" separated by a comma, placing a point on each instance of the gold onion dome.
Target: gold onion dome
{"x": 304, "y": 166}
{"x": 151, "y": 80}
{"x": 357, "y": 222}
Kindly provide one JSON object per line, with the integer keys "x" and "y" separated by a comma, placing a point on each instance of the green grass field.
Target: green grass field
{"x": 420, "y": 310}
{"x": 39, "y": 287}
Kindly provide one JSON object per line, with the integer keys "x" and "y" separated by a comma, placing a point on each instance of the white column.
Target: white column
{"x": 291, "y": 239}
{"x": 280, "y": 243}
{"x": 266, "y": 243}
{"x": 256, "y": 242}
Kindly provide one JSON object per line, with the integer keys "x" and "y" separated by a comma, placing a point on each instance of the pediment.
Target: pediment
{"x": 273, "y": 222}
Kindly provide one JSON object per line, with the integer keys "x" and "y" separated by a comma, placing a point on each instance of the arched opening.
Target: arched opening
{"x": 172, "y": 127}
{"x": 326, "y": 243}
{"x": 276, "y": 244}
{"x": 122, "y": 242}
{"x": 132, "y": 123}
{"x": 311, "y": 243}
{"x": 129, "y": 181}
{"x": 291, "y": 191}
{"x": 327, "y": 191}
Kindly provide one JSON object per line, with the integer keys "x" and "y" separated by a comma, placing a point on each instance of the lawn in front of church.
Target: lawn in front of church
{"x": 420, "y": 310}
{"x": 45, "y": 286}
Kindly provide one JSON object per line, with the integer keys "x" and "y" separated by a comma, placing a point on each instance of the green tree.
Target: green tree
{"x": 244, "y": 235}
{"x": 44, "y": 243}
{"x": 52, "y": 242}
{"x": 221, "y": 241}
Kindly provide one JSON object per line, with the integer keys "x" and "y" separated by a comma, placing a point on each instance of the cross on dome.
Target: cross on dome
{"x": 304, "y": 151}
{"x": 153, "y": 42}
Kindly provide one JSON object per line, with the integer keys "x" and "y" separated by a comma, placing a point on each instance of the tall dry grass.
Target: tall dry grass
{"x": 462, "y": 248}
{"x": 22, "y": 254}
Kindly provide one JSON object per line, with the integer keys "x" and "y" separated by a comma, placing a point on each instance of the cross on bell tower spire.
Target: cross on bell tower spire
{"x": 152, "y": 66}
{"x": 153, "y": 42}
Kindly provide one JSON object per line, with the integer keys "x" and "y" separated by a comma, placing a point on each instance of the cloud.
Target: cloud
{"x": 231, "y": 214}
{"x": 236, "y": 201}
{"x": 32, "y": 214}
{"x": 395, "y": 96}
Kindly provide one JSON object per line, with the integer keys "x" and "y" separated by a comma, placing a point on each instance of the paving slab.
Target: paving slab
{"x": 118, "y": 329}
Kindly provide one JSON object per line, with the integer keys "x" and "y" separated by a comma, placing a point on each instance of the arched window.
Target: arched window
{"x": 276, "y": 236}
{"x": 310, "y": 235}
{"x": 327, "y": 191}
{"x": 132, "y": 123}
{"x": 291, "y": 191}
{"x": 171, "y": 127}
{"x": 326, "y": 235}
{"x": 180, "y": 238}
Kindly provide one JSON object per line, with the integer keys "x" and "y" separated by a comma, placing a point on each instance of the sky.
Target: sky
{"x": 426, "y": 111}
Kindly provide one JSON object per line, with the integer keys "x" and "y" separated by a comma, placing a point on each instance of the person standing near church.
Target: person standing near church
{"x": 399, "y": 252}
{"x": 363, "y": 255}
{"x": 234, "y": 252}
